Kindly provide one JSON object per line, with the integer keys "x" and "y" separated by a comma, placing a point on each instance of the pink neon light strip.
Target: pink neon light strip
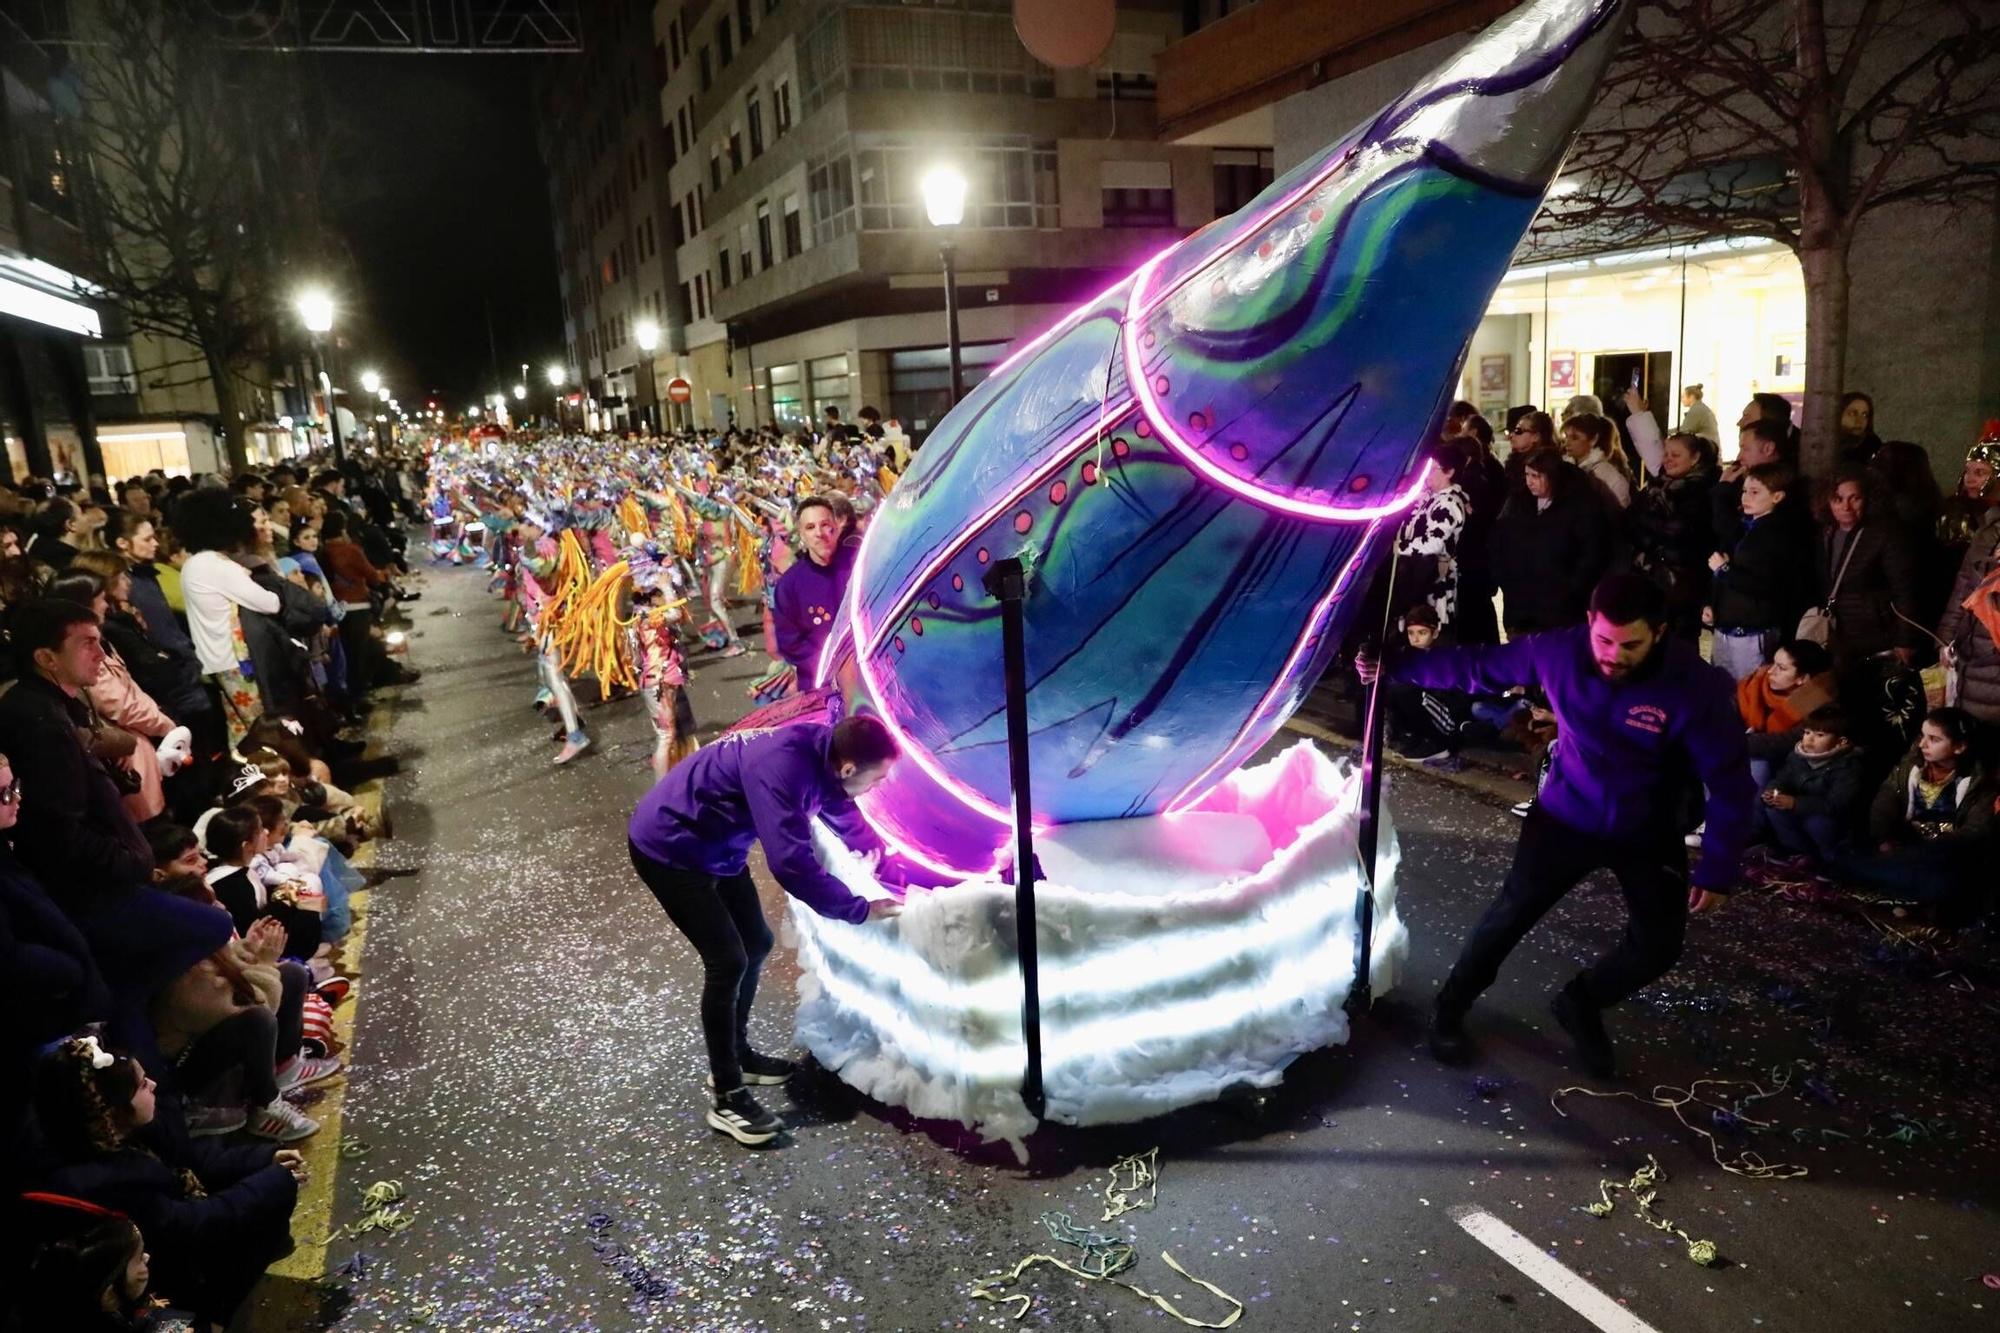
{"x": 826, "y": 652}
{"x": 1315, "y": 625}
{"x": 902, "y": 848}
{"x": 1069, "y": 321}
{"x": 1107, "y": 420}
{"x": 907, "y": 743}
{"x": 1149, "y": 403}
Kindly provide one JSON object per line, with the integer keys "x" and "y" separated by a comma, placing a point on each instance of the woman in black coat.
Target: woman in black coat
{"x": 1875, "y": 566}
{"x": 214, "y": 1216}
{"x": 1671, "y": 529}
{"x": 1549, "y": 546}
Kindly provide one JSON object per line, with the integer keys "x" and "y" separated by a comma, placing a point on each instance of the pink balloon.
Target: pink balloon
{"x": 1067, "y": 34}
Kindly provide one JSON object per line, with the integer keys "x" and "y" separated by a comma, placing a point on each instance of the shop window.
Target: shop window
{"x": 829, "y": 385}
{"x": 787, "y": 406}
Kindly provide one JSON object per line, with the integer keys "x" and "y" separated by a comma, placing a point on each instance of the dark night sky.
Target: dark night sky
{"x": 437, "y": 188}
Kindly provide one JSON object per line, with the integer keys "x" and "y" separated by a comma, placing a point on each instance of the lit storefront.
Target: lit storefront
{"x": 1727, "y": 315}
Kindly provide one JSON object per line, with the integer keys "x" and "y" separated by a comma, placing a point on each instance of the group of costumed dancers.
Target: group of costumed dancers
{"x": 617, "y": 560}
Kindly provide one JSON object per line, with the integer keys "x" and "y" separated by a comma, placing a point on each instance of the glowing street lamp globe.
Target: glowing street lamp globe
{"x": 555, "y": 374}
{"x": 647, "y": 334}
{"x": 371, "y": 382}
{"x": 943, "y": 189}
{"x": 520, "y": 392}
{"x": 315, "y": 305}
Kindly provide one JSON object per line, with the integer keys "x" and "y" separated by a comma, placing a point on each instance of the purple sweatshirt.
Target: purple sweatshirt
{"x": 750, "y": 786}
{"x": 1626, "y": 746}
{"x": 804, "y": 606}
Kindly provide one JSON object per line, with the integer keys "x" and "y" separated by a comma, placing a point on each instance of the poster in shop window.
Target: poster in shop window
{"x": 1495, "y": 373}
{"x": 1562, "y": 372}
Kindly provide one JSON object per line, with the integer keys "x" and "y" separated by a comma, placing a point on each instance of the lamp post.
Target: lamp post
{"x": 556, "y": 376}
{"x": 944, "y": 202}
{"x": 647, "y": 334}
{"x": 315, "y": 306}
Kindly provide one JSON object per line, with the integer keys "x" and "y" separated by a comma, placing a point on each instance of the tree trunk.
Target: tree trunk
{"x": 1825, "y": 269}
{"x": 220, "y": 375}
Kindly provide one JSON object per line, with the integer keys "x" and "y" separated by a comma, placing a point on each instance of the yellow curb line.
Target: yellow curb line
{"x": 312, "y": 1217}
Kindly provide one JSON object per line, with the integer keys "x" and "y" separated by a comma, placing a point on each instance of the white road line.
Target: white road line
{"x": 1559, "y": 1281}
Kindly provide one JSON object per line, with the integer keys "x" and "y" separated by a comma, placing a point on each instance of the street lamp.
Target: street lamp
{"x": 520, "y": 392}
{"x": 647, "y": 334}
{"x": 370, "y": 381}
{"x": 315, "y": 307}
{"x": 556, "y": 376}
{"x": 381, "y": 391}
{"x": 943, "y": 188}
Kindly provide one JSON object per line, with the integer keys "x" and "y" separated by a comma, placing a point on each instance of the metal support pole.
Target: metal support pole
{"x": 332, "y": 408}
{"x": 951, "y": 323}
{"x": 1367, "y": 831}
{"x": 1008, "y": 582}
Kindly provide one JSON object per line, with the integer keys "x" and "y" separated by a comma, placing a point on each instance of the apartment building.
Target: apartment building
{"x": 798, "y": 133}
{"x": 608, "y": 157}
{"x": 49, "y": 316}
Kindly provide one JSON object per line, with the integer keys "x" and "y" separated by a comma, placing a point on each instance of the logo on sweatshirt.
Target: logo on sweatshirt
{"x": 1647, "y": 717}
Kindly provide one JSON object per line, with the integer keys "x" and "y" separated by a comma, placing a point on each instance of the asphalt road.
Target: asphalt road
{"x": 527, "y": 1064}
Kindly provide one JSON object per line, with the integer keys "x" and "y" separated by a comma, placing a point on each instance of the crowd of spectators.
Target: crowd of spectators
{"x": 1856, "y": 610}
{"x": 185, "y": 665}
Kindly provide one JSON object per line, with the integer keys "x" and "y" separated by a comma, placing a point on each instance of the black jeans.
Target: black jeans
{"x": 724, "y": 921}
{"x": 253, "y": 1040}
{"x": 1549, "y": 861}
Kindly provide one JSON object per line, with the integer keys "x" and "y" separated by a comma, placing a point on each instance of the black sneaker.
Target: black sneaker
{"x": 737, "y": 1114}
{"x": 766, "y": 1070}
{"x": 1447, "y": 1037}
{"x": 1584, "y": 1022}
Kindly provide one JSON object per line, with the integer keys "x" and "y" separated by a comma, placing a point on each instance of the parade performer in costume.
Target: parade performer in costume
{"x": 546, "y": 582}
{"x": 716, "y": 559}
{"x": 1643, "y": 719}
{"x": 656, "y": 657}
{"x": 690, "y": 841}
{"x": 808, "y": 596}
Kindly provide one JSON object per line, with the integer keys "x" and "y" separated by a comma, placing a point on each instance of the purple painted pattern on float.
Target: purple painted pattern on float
{"x": 1191, "y": 531}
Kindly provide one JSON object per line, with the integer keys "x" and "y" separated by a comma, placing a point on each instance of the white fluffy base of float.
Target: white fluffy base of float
{"x": 1181, "y": 955}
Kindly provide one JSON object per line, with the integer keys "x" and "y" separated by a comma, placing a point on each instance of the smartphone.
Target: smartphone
{"x": 1635, "y": 381}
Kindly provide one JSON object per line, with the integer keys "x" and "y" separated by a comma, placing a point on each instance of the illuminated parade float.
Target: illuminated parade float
{"x": 1195, "y": 471}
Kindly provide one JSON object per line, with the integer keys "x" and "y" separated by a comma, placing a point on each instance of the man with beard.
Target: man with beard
{"x": 1643, "y": 721}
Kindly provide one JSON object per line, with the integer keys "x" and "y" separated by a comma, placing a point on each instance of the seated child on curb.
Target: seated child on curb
{"x": 1807, "y": 812}
{"x": 1426, "y": 725}
{"x": 234, "y": 838}
{"x": 1932, "y": 824}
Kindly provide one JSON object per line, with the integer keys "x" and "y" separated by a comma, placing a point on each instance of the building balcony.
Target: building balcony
{"x": 891, "y": 272}
{"x": 1236, "y": 67}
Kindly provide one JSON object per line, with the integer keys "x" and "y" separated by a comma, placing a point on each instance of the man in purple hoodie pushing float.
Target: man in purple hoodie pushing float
{"x": 690, "y": 842}
{"x": 1643, "y": 721}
